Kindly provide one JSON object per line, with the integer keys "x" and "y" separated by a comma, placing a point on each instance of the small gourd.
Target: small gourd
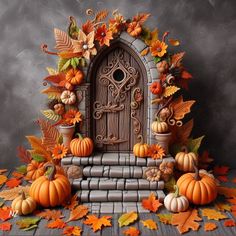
{"x": 141, "y": 149}
{"x": 159, "y": 126}
{"x": 175, "y": 202}
{"x": 23, "y": 205}
{"x": 34, "y": 170}
{"x": 68, "y": 97}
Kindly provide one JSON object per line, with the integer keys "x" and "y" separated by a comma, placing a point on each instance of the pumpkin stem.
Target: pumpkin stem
{"x": 184, "y": 149}
{"x": 52, "y": 173}
{"x": 176, "y": 188}
{"x": 22, "y": 193}
{"x": 140, "y": 136}
{"x": 79, "y": 135}
{"x": 197, "y": 176}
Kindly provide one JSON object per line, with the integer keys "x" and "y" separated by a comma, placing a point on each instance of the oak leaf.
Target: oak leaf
{"x": 50, "y": 214}
{"x": 5, "y": 226}
{"x": 56, "y": 224}
{"x": 13, "y": 182}
{"x": 150, "y": 224}
{"x": 210, "y": 226}
{"x": 127, "y": 218}
{"x": 28, "y": 223}
{"x": 229, "y": 223}
{"x": 221, "y": 206}
{"x": 72, "y": 204}
{"x": 221, "y": 170}
{"x": 5, "y": 213}
{"x": 151, "y": 203}
{"x": 72, "y": 231}
{"x": 3, "y": 171}
{"x": 165, "y": 218}
{"x": 186, "y": 220}
{"x": 131, "y": 231}
{"x": 23, "y": 154}
{"x": 3, "y": 179}
{"x": 97, "y": 223}
{"x": 170, "y": 90}
{"x": 63, "y": 41}
{"x": 52, "y": 92}
{"x": 212, "y": 214}
{"x": 78, "y": 213}
{"x": 227, "y": 192}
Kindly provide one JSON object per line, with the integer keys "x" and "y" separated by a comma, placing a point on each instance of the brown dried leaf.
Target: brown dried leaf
{"x": 23, "y": 154}
{"x": 50, "y": 214}
{"x": 78, "y": 213}
{"x": 63, "y": 41}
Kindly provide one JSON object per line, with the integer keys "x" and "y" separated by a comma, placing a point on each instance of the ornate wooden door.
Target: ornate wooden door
{"x": 118, "y": 107}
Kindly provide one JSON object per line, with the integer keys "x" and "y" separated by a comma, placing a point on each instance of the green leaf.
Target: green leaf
{"x": 61, "y": 63}
{"x": 22, "y": 169}
{"x": 194, "y": 144}
{"x": 157, "y": 59}
{"x": 66, "y": 65}
{"x": 37, "y": 157}
{"x": 169, "y": 185}
{"x": 28, "y": 223}
{"x": 31, "y": 227}
{"x": 73, "y": 63}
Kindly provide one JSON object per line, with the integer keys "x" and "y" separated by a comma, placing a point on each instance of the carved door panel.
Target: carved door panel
{"x": 117, "y": 104}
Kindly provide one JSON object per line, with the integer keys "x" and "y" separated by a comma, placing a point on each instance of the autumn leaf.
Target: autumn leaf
{"x": 23, "y": 154}
{"x": 233, "y": 180}
{"x": 222, "y": 178}
{"x": 28, "y": 223}
{"x": 11, "y": 194}
{"x": 186, "y": 75}
{"x": 131, "y": 231}
{"x": 194, "y": 144}
{"x": 151, "y": 203}
{"x": 212, "y": 214}
{"x": 170, "y": 90}
{"x": 72, "y": 231}
{"x": 232, "y": 200}
{"x": 227, "y": 192}
{"x": 229, "y": 223}
{"x": 72, "y": 204}
{"x": 5, "y": 226}
{"x": 55, "y": 78}
{"x": 101, "y": 15}
{"x": 221, "y": 206}
{"x": 177, "y": 58}
{"x": 78, "y": 213}
{"x": 3, "y": 171}
{"x": 13, "y": 182}
{"x": 221, "y": 170}
{"x": 63, "y": 41}
{"x": 5, "y": 213}
{"x": 174, "y": 42}
{"x": 52, "y": 92}
{"x": 141, "y": 18}
{"x": 50, "y": 114}
{"x": 186, "y": 220}
{"x": 97, "y": 223}
{"x": 144, "y": 52}
{"x": 127, "y": 218}
{"x": 50, "y": 214}
{"x": 210, "y": 226}
{"x": 233, "y": 210}
{"x": 204, "y": 160}
{"x": 3, "y": 179}
{"x": 169, "y": 185}
{"x": 150, "y": 224}
{"x": 88, "y": 27}
{"x": 165, "y": 218}
{"x": 17, "y": 175}
{"x": 56, "y": 224}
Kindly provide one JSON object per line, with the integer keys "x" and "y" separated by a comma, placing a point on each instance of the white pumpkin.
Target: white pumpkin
{"x": 159, "y": 127}
{"x": 175, "y": 202}
{"x": 68, "y": 97}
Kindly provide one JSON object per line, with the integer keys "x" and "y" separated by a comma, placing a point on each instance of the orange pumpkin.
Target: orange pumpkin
{"x": 134, "y": 29}
{"x": 50, "y": 190}
{"x": 34, "y": 170}
{"x": 198, "y": 188}
{"x": 156, "y": 88}
{"x": 141, "y": 149}
{"x": 74, "y": 76}
{"x": 81, "y": 147}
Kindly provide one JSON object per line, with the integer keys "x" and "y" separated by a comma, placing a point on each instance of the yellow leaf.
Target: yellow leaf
{"x": 3, "y": 179}
{"x": 51, "y": 71}
{"x": 165, "y": 218}
{"x": 145, "y": 52}
{"x": 149, "y": 224}
{"x": 221, "y": 206}
{"x": 50, "y": 114}
{"x": 127, "y": 218}
{"x": 212, "y": 214}
{"x": 170, "y": 90}
{"x": 174, "y": 42}
{"x": 52, "y": 92}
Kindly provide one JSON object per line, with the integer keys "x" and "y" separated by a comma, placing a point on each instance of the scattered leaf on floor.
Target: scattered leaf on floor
{"x": 5, "y": 213}
{"x": 3, "y": 171}
{"x": 13, "y": 182}
{"x": 186, "y": 220}
{"x": 210, "y": 226}
{"x": 222, "y": 178}
{"x": 221, "y": 206}
{"x": 28, "y": 223}
{"x": 150, "y": 224}
{"x": 73, "y": 203}
{"x": 17, "y": 175}
{"x": 56, "y": 224}
{"x": 151, "y": 203}
{"x": 221, "y": 170}
{"x": 127, "y": 218}
{"x": 229, "y": 223}
{"x": 97, "y": 223}
{"x": 131, "y": 231}
{"x": 50, "y": 214}
{"x": 11, "y": 194}
{"x": 212, "y": 214}
{"x": 165, "y": 218}
{"x": 72, "y": 231}
{"x": 3, "y": 179}
{"x": 227, "y": 192}
{"x": 5, "y": 226}
{"x": 78, "y": 213}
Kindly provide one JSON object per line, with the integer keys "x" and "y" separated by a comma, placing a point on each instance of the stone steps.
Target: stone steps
{"x": 116, "y": 184}
{"x": 117, "y": 195}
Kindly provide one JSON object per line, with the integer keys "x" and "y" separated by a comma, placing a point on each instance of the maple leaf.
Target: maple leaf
{"x": 13, "y": 182}
{"x": 3, "y": 171}
{"x": 210, "y": 226}
{"x": 221, "y": 206}
{"x": 186, "y": 220}
{"x": 151, "y": 203}
{"x": 72, "y": 204}
{"x": 165, "y": 218}
{"x": 141, "y": 18}
{"x": 5, "y": 226}
{"x": 127, "y": 218}
{"x": 50, "y": 214}
{"x": 63, "y": 41}
{"x": 28, "y": 223}
{"x": 227, "y": 192}
{"x": 56, "y": 224}
{"x": 229, "y": 223}
{"x": 72, "y": 231}
{"x": 11, "y": 194}
{"x": 5, "y": 213}
{"x": 204, "y": 160}
{"x": 221, "y": 170}
{"x": 78, "y": 213}
{"x": 222, "y": 178}
{"x": 17, "y": 175}
{"x": 150, "y": 224}
{"x": 131, "y": 231}
{"x": 3, "y": 179}
{"x": 23, "y": 154}
{"x": 212, "y": 214}
{"x": 97, "y": 223}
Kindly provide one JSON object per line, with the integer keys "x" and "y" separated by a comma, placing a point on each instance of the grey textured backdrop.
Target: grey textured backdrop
{"x": 206, "y": 29}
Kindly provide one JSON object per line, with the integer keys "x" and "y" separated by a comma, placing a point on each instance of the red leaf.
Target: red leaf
{"x": 23, "y": 154}
{"x": 13, "y": 182}
{"x": 186, "y": 75}
{"x": 221, "y": 170}
{"x": 5, "y": 213}
{"x": 222, "y": 178}
{"x": 229, "y": 223}
{"x": 5, "y": 226}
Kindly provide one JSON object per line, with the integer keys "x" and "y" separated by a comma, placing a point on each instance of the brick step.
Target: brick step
{"x": 116, "y": 184}
{"x": 117, "y": 195}
{"x": 126, "y": 159}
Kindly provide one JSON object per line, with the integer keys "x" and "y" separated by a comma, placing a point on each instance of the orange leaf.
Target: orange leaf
{"x": 174, "y": 42}
{"x": 234, "y": 180}
{"x": 23, "y": 154}
{"x": 63, "y": 41}
{"x": 204, "y": 160}
{"x": 101, "y": 15}
{"x": 72, "y": 204}
{"x": 186, "y": 220}
{"x": 186, "y": 75}
{"x": 78, "y": 213}
{"x": 131, "y": 231}
{"x": 13, "y": 182}
{"x": 177, "y": 58}
{"x": 209, "y": 226}
{"x": 145, "y": 52}
{"x": 56, "y": 224}
{"x": 52, "y": 92}
{"x": 233, "y": 200}
{"x": 3, "y": 171}
{"x": 97, "y": 223}
{"x": 227, "y": 192}
{"x": 50, "y": 214}
{"x": 150, "y": 224}
{"x": 88, "y": 27}
{"x": 141, "y": 18}
{"x": 222, "y": 178}
{"x": 56, "y": 79}
{"x": 229, "y": 223}
{"x": 5, "y": 226}
{"x": 72, "y": 231}
{"x": 3, "y": 179}
{"x": 17, "y": 175}
{"x": 221, "y": 170}
{"x": 151, "y": 203}
{"x": 5, "y": 213}
{"x": 165, "y": 218}
{"x": 212, "y": 214}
